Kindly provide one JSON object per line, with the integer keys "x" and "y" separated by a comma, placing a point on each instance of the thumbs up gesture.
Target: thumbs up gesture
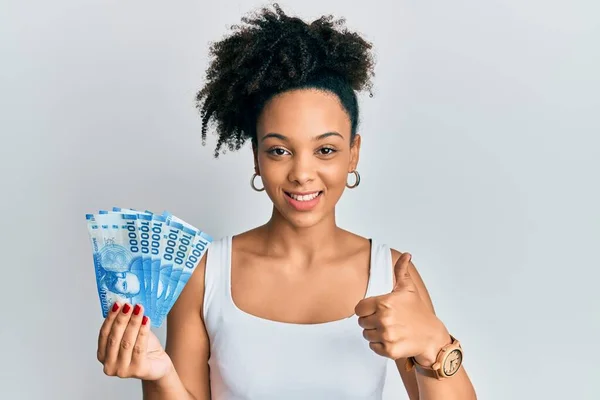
{"x": 400, "y": 324}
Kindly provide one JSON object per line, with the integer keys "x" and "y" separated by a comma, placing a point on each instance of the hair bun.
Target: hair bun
{"x": 272, "y": 52}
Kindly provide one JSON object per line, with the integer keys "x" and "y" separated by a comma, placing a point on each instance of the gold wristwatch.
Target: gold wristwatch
{"x": 447, "y": 363}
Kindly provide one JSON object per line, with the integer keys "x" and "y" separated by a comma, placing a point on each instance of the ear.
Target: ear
{"x": 255, "y": 157}
{"x": 354, "y": 152}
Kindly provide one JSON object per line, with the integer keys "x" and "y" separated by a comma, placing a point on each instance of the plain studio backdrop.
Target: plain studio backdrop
{"x": 480, "y": 156}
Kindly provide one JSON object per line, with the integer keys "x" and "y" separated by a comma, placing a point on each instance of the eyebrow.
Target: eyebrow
{"x": 285, "y": 139}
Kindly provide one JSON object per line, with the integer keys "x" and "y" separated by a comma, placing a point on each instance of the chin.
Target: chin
{"x": 304, "y": 221}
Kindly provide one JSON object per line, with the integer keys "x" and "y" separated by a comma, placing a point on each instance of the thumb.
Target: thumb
{"x": 403, "y": 279}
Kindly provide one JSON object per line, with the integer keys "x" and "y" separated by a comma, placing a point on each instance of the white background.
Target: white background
{"x": 481, "y": 156}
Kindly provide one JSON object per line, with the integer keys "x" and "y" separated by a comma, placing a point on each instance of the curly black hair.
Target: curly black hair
{"x": 274, "y": 53}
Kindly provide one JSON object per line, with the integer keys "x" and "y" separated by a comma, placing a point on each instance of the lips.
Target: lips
{"x": 305, "y": 201}
{"x": 304, "y": 196}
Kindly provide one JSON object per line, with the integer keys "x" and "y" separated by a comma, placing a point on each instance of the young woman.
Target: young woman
{"x": 297, "y": 308}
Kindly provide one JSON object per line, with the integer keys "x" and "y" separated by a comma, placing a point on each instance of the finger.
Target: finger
{"x": 403, "y": 279}
{"x": 372, "y": 335}
{"x": 378, "y": 348}
{"x": 116, "y": 334}
{"x": 105, "y": 331}
{"x": 141, "y": 344}
{"x": 393, "y": 351}
{"x": 128, "y": 341}
{"x": 370, "y": 322}
{"x": 366, "y": 307}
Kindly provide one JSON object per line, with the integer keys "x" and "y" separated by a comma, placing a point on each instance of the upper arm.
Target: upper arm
{"x": 187, "y": 339}
{"x": 408, "y": 377}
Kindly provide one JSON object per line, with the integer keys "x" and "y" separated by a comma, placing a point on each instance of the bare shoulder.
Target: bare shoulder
{"x": 187, "y": 339}
{"x": 250, "y": 241}
{"x": 416, "y": 277}
{"x": 355, "y": 243}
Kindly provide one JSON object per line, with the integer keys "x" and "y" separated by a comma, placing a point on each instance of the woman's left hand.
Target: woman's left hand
{"x": 400, "y": 324}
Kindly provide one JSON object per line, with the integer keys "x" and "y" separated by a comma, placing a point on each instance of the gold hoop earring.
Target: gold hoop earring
{"x": 254, "y": 185}
{"x": 356, "y": 183}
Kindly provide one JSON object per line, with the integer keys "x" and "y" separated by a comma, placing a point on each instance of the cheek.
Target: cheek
{"x": 273, "y": 173}
{"x": 335, "y": 175}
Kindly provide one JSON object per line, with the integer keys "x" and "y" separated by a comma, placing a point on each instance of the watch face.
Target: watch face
{"x": 452, "y": 362}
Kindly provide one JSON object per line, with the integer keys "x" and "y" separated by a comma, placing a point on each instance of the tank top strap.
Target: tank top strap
{"x": 216, "y": 278}
{"x": 381, "y": 276}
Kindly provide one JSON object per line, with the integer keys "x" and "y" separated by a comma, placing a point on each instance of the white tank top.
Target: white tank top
{"x": 252, "y": 358}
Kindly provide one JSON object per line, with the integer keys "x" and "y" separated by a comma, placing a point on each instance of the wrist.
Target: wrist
{"x": 166, "y": 382}
{"x": 435, "y": 344}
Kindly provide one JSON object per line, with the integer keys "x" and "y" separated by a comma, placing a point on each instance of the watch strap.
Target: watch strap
{"x": 411, "y": 363}
{"x": 424, "y": 370}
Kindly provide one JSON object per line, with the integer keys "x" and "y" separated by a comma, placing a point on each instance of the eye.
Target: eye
{"x": 277, "y": 151}
{"x": 326, "y": 151}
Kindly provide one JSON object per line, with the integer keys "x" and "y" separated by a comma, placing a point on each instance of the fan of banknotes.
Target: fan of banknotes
{"x": 143, "y": 258}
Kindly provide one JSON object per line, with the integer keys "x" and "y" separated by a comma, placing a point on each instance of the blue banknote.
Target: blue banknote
{"x": 144, "y": 222}
{"x": 132, "y": 240}
{"x": 143, "y": 258}
{"x": 159, "y": 271}
{"x": 156, "y": 247}
{"x": 117, "y": 259}
{"x": 180, "y": 274}
{"x": 184, "y": 247}
{"x": 199, "y": 246}
{"x": 95, "y": 236}
{"x": 169, "y": 243}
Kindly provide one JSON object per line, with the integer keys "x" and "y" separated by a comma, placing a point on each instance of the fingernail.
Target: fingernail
{"x": 144, "y": 320}
{"x": 126, "y": 308}
{"x": 115, "y": 307}
{"x": 136, "y": 309}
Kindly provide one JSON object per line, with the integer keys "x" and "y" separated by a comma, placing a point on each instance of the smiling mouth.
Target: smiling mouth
{"x": 304, "y": 197}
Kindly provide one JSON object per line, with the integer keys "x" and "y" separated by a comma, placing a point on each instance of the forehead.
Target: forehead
{"x": 304, "y": 113}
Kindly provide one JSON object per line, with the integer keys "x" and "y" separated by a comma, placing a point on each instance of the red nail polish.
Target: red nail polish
{"x": 115, "y": 307}
{"x": 136, "y": 309}
{"x": 126, "y": 308}
{"x": 144, "y": 320}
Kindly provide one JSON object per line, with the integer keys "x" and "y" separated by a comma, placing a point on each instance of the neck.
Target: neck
{"x": 282, "y": 238}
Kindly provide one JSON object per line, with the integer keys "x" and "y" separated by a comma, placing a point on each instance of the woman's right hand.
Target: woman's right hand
{"x": 127, "y": 347}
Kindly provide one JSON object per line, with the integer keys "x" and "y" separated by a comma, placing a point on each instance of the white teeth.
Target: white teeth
{"x": 306, "y": 197}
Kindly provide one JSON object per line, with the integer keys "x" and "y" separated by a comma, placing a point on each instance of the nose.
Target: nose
{"x": 302, "y": 169}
